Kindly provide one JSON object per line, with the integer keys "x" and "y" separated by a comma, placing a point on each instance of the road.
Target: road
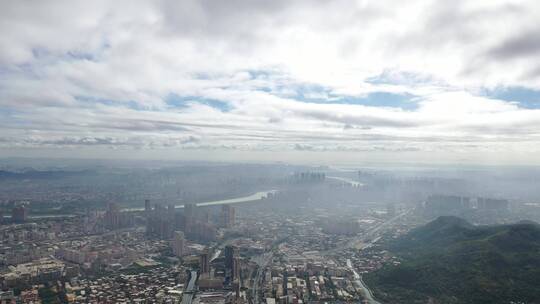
{"x": 367, "y": 239}
{"x": 368, "y": 236}
{"x": 263, "y": 261}
{"x": 366, "y": 292}
{"x": 216, "y": 254}
{"x": 372, "y": 233}
{"x": 190, "y": 290}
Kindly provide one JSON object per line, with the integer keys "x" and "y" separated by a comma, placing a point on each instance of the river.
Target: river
{"x": 243, "y": 199}
{"x": 350, "y": 181}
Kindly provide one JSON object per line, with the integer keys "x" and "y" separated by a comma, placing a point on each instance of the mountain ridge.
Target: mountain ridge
{"x": 452, "y": 261}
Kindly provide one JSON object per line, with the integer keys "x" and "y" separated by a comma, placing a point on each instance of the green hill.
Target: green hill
{"x": 452, "y": 261}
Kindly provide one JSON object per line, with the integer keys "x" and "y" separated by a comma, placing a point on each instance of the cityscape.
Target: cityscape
{"x": 269, "y": 152}
{"x": 311, "y": 237}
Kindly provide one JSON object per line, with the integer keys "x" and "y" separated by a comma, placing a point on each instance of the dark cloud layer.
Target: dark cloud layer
{"x": 524, "y": 44}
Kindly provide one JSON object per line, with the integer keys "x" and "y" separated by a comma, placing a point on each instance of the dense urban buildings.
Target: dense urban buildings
{"x": 309, "y": 238}
{"x": 270, "y": 152}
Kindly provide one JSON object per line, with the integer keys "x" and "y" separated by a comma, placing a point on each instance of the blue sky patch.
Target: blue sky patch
{"x": 177, "y": 101}
{"x": 129, "y": 103}
{"x": 385, "y": 99}
{"x": 254, "y": 74}
{"x": 526, "y": 98}
{"x": 375, "y": 99}
{"x": 314, "y": 93}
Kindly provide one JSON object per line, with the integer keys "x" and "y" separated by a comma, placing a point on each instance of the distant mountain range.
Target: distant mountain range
{"x": 451, "y": 261}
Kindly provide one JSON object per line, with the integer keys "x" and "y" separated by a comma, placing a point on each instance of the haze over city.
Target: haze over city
{"x": 269, "y": 152}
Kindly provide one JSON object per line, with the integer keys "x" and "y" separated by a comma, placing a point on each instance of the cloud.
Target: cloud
{"x": 277, "y": 76}
{"x": 301, "y": 147}
{"x": 525, "y": 44}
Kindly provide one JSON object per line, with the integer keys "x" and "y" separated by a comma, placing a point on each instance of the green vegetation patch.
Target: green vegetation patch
{"x": 451, "y": 261}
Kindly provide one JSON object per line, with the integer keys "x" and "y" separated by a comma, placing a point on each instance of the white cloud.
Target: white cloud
{"x": 76, "y": 74}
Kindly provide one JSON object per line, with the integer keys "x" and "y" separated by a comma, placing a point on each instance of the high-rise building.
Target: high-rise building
{"x": 147, "y": 206}
{"x": 115, "y": 219}
{"x": 160, "y": 222}
{"x": 236, "y": 289}
{"x": 230, "y": 253}
{"x": 231, "y": 262}
{"x": 189, "y": 218}
{"x": 178, "y": 243}
{"x": 19, "y": 214}
{"x": 112, "y": 217}
{"x": 204, "y": 262}
{"x": 228, "y": 214}
{"x": 235, "y": 273}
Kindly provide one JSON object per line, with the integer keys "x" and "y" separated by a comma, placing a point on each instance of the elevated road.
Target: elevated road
{"x": 189, "y": 292}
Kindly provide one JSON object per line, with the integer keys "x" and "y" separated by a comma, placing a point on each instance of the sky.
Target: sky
{"x": 284, "y": 80}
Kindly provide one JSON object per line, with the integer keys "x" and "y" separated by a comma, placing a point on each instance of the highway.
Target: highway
{"x": 190, "y": 290}
{"x": 367, "y": 239}
{"x": 216, "y": 254}
{"x": 366, "y": 292}
{"x": 263, "y": 261}
{"x": 371, "y": 234}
